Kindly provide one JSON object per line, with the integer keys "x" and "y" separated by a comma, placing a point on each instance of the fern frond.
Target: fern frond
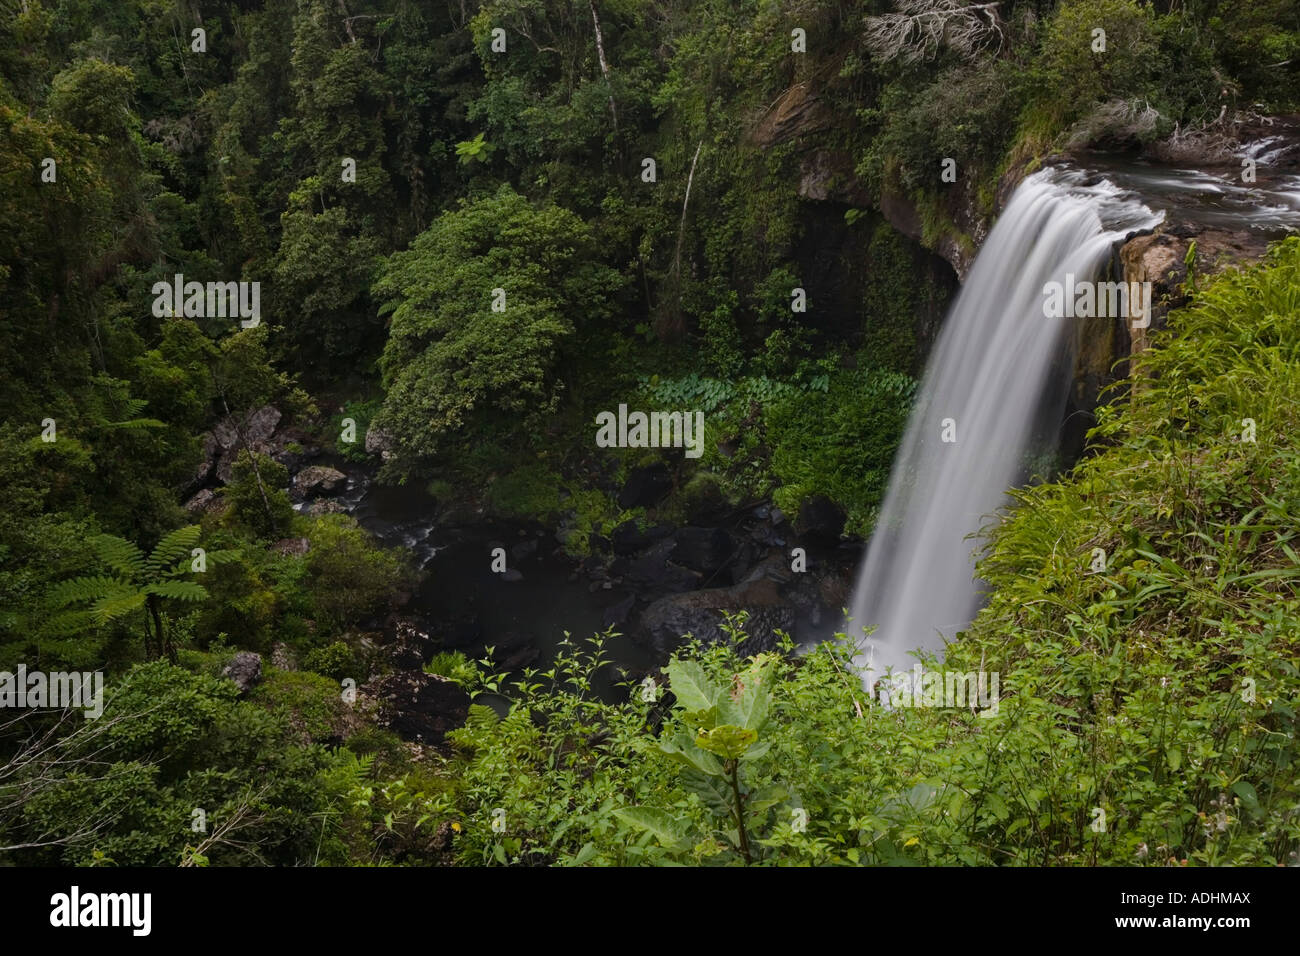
{"x": 173, "y": 546}
{"x": 119, "y": 554}
{"x": 481, "y": 718}
{"x": 113, "y": 606}
{"x": 224, "y": 556}
{"x": 86, "y": 588}
{"x": 180, "y": 590}
{"x": 137, "y": 424}
{"x": 68, "y": 623}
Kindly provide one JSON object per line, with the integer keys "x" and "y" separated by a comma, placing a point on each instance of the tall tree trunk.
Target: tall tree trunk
{"x": 604, "y": 64}
{"x": 669, "y": 325}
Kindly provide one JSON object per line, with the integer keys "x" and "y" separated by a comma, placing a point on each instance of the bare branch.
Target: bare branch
{"x": 921, "y": 27}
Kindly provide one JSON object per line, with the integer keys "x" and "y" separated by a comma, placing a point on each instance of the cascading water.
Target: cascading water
{"x": 989, "y": 373}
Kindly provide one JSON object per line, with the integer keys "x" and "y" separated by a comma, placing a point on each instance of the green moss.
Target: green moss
{"x": 311, "y": 703}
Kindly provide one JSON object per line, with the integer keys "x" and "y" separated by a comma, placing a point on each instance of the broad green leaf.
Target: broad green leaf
{"x": 682, "y": 749}
{"x": 666, "y": 828}
{"x": 755, "y": 698}
{"x": 711, "y": 789}
{"x": 766, "y": 798}
{"x": 691, "y": 686}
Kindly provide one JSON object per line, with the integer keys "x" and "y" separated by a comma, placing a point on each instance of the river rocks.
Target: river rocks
{"x": 318, "y": 480}
{"x": 627, "y": 538}
{"x": 651, "y": 573}
{"x": 417, "y": 706}
{"x": 411, "y": 645}
{"x": 645, "y": 486}
{"x": 245, "y": 669}
{"x": 701, "y": 613}
{"x": 702, "y": 549}
{"x": 514, "y": 650}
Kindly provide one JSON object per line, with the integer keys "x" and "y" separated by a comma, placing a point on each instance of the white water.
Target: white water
{"x": 989, "y": 372}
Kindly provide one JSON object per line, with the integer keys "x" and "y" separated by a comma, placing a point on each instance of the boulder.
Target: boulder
{"x": 379, "y": 442}
{"x": 702, "y": 549}
{"x": 245, "y": 669}
{"x": 701, "y": 613}
{"x": 318, "y": 480}
{"x": 257, "y": 426}
{"x": 627, "y": 538}
{"x": 651, "y": 572}
{"x": 645, "y": 486}
{"x": 820, "y": 519}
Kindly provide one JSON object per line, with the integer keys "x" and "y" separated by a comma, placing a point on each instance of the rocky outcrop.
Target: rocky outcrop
{"x": 245, "y": 669}
{"x": 204, "y": 500}
{"x": 232, "y": 432}
{"x": 797, "y": 112}
{"x": 958, "y": 244}
{"x": 379, "y": 442}
{"x": 418, "y": 707}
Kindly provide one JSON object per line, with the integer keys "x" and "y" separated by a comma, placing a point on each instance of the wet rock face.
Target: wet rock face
{"x": 820, "y": 520}
{"x": 702, "y": 549}
{"x": 702, "y": 613}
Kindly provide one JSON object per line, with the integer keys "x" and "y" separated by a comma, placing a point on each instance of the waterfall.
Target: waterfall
{"x": 996, "y": 373}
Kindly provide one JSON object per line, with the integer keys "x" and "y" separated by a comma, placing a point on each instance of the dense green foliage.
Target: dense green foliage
{"x": 1160, "y": 689}
{"x": 382, "y": 171}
